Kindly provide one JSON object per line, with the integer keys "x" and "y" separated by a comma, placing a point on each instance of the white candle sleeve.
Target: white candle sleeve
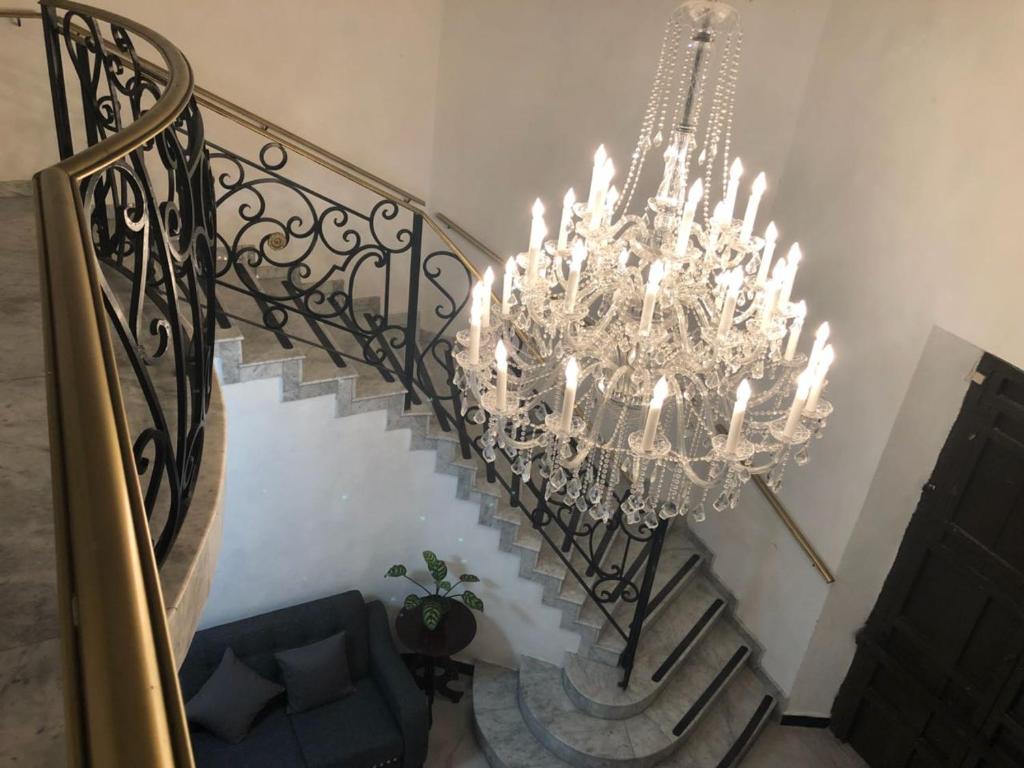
{"x": 803, "y": 388}
{"x": 753, "y": 202}
{"x": 566, "y": 224}
{"x": 506, "y": 288}
{"x": 474, "y": 335}
{"x": 501, "y": 366}
{"x": 569, "y": 396}
{"x": 739, "y": 412}
{"x": 771, "y": 238}
{"x": 654, "y": 415}
{"x": 795, "y": 329}
{"x": 820, "y": 379}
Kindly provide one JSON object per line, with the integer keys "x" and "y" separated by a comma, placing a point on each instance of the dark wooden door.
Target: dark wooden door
{"x": 938, "y": 677}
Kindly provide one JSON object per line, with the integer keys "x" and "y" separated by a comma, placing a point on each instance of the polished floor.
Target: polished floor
{"x": 452, "y": 744}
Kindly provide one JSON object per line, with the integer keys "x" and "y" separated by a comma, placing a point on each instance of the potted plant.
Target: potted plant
{"x": 434, "y": 603}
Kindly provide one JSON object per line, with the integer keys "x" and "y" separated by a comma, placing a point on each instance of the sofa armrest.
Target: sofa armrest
{"x": 407, "y": 702}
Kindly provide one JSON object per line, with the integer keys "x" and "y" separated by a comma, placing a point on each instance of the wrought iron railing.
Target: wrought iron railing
{"x": 368, "y": 282}
{"x": 125, "y": 244}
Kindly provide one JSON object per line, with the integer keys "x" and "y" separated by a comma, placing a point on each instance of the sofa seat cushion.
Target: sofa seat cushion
{"x": 270, "y": 744}
{"x": 355, "y": 732}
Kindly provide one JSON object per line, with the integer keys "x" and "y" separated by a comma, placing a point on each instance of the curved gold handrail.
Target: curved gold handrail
{"x": 121, "y": 696}
{"x": 773, "y": 499}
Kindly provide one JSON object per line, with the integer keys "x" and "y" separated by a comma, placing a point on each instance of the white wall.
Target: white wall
{"x": 903, "y": 185}
{"x": 929, "y": 408}
{"x": 316, "y": 504}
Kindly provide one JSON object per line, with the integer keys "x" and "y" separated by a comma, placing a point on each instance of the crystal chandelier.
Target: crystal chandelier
{"x": 657, "y": 352}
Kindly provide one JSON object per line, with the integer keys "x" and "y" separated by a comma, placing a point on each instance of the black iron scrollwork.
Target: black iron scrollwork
{"x": 152, "y": 217}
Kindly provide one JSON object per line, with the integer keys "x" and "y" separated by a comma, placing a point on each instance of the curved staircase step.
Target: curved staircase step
{"x": 581, "y": 739}
{"x": 664, "y": 647}
{"x": 500, "y": 730}
{"x": 723, "y": 737}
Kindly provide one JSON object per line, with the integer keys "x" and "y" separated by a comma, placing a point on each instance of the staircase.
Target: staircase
{"x": 695, "y": 698}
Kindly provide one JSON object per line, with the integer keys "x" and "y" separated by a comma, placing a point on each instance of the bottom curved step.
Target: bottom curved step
{"x": 500, "y": 729}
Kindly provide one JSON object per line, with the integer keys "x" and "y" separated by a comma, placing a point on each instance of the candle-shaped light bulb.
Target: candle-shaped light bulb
{"x": 506, "y": 289}
{"x": 501, "y": 367}
{"x": 771, "y": 238}
{"x": 596, "y": 176}
{"x": 733, "y": 188}
{"x": 803, "y": 389}
{"x": 572, "y": 372}
{"x": 485, "y": 298}
{"x": 799, "y": 313}
{"x": 733, "y": 284}
{"x": 756, "y": 193}
{"x": 739, "y": 412}
{"x": 572, "y": 286}
{"x": 566, "y": 224}
{"x": 824, "y": 362}
{"x": 770, "y": 299}
{"x": 538, "y": 230}
{"x": 793, "y": 260}
{"x": 820, "y": 339}
{"x": 473, "y": 353}
{"x": 693, "y": 198}
{"x": 623, "y": 259}
{"x": 654, "y": 275}
{"x": 654, "y": 414}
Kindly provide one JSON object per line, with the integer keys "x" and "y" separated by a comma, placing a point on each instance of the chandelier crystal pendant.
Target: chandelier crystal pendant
{"x": 654, "y": 352}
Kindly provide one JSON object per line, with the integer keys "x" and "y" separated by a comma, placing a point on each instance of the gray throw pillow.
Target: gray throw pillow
{"x": 315, "y": 674}
{"x": 229, "y": 701}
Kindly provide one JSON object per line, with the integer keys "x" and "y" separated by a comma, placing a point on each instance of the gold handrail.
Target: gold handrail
{"x": 773, "y": 500}
{"x": 121, "y": 696}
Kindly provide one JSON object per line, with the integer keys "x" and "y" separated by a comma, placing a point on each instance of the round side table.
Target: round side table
{"x": 434, "y": 648}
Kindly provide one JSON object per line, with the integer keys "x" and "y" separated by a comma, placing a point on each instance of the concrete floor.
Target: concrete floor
{"x": 453, "y": 745}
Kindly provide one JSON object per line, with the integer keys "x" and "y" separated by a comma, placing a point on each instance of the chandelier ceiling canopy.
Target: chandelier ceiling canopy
{"x": 658, "y": 351}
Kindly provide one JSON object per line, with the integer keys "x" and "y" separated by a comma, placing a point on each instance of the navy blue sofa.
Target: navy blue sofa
{"x": 384, "y": 723}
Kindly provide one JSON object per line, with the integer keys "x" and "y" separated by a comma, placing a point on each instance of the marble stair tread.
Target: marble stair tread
{"x": 500, "y": 730}
{"x": 579, "y": 738}
{"x": 677, "y": 551}
{"x": 664, "y": 646}
{"x": 706, "y": 672}
{"x": 723, "y": 736}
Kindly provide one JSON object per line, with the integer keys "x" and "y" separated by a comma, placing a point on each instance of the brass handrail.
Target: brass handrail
{"x": 773, "y": 500}
{"x": 121, "y": 696}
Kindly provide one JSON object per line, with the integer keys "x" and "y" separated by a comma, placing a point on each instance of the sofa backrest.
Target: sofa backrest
{"x": 256, "y": 639}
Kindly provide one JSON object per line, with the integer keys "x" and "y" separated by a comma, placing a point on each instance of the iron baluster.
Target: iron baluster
{"x": 58, "y": 94}
{"x": 411, "y": 337}
{"x": 640, "y": 610}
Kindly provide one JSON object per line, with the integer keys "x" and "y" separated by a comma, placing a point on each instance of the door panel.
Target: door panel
{"x": 938, "y": 678}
